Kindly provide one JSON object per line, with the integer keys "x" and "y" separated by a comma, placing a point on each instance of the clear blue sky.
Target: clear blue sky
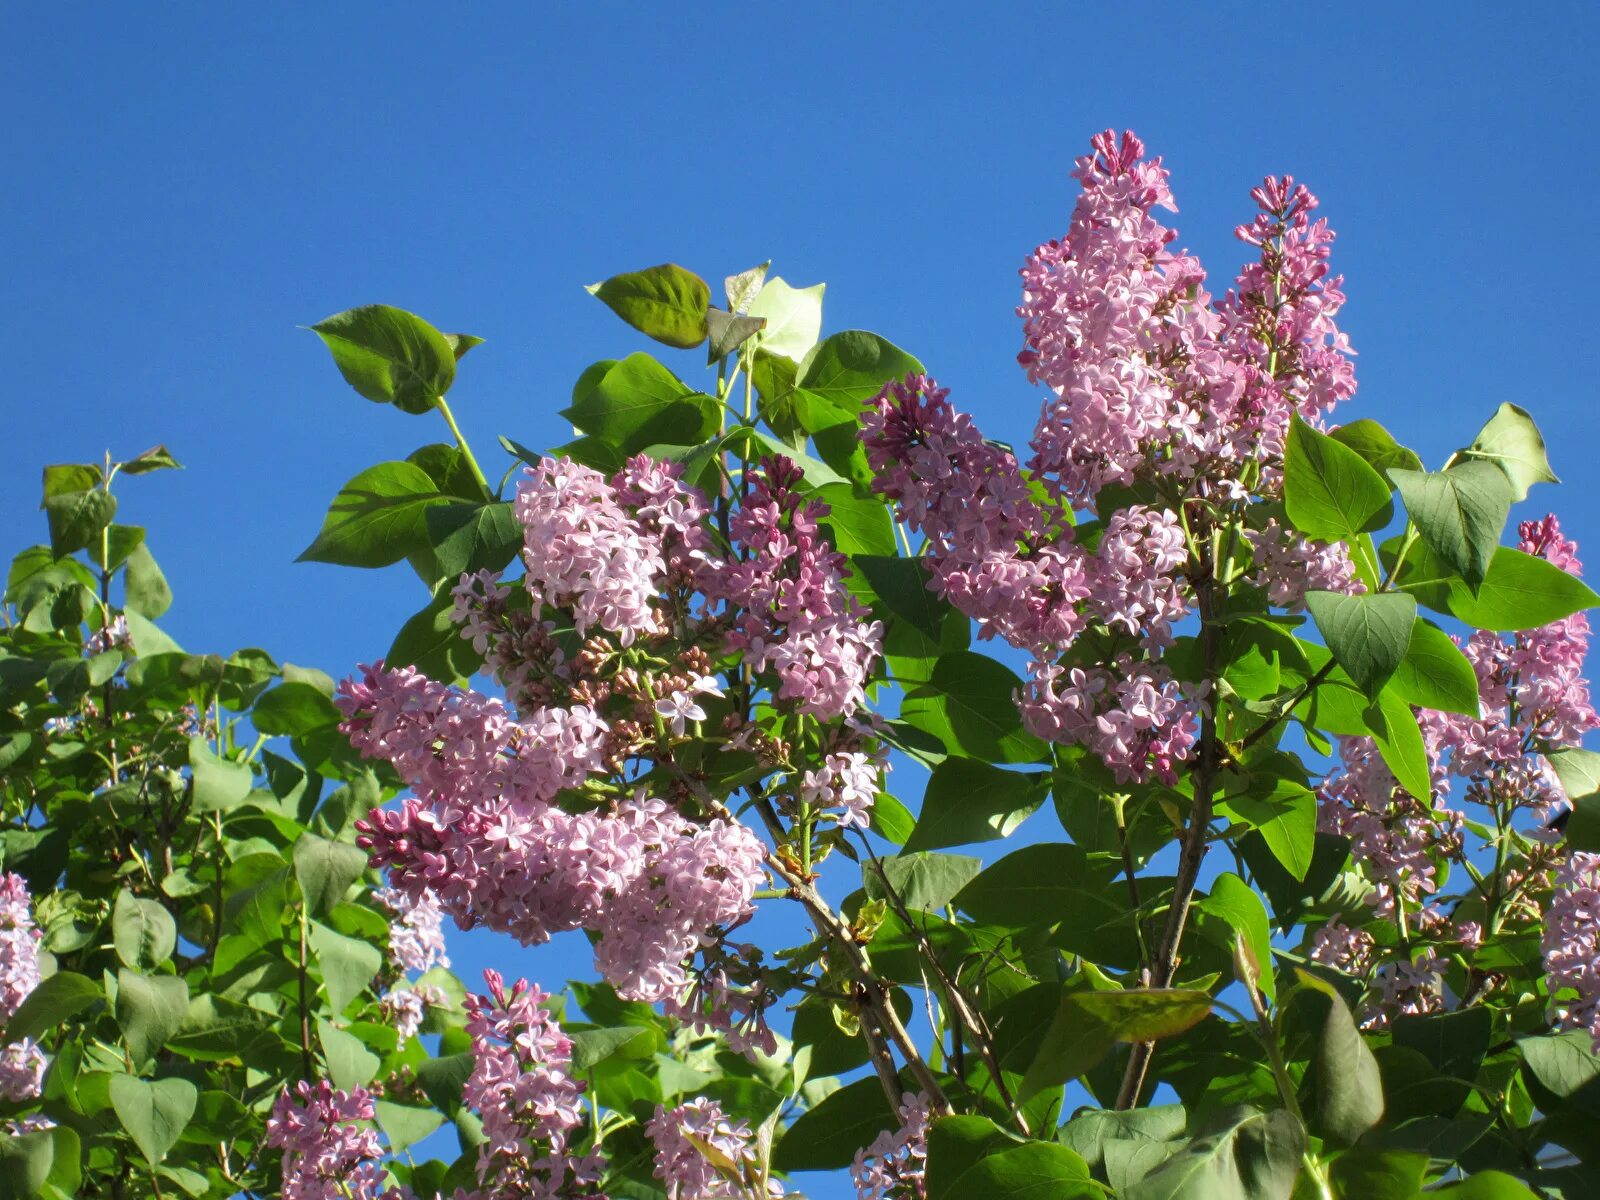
{"x": 188, "y": 183}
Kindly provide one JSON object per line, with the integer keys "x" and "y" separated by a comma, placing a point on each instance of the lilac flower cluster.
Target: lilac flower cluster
{"x": 330, "y": 1149}
{"x": 494, "y": 827}
{"x": 529, "y": 1104}
{"x": 894, "y": 1167}
{"x": 702, "y": 1155}
{"x": 483, "y": 833}
{"x": 1154, "y": 385}
{"x": 21, "y": 1063}
{"x": 1571, "y": 943}
{"x": 797, "y": 618}
{"x": 1533, "y": 699}
{"x": 416, "y": 944}
{"x": 847, "y": 781}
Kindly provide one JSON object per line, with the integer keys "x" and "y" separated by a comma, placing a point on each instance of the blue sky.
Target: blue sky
{"x": 190, "y": 183}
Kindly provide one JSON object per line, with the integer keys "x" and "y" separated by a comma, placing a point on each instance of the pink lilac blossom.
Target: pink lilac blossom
{"x": 484, "y": 835}
{"x": 1133, "y": 715}
{"x": 798, "y": 618}
{"x": 1572, "y": 944}
{"x": 992, "y": 550}
{"x": 1153, "y": 380}
{"x": 521, "y": 1089}
{"x": 1339, "y": 946}
{"x": 681, "y": 1164}
{"x": 1393, "y": 835}
{"x": 1289, "y": 566}
{"x": 894, "y": 1167}
{"x": 416, "y": 940}
{"x": 1119, "y": 328}
{"x": 330, "y": 1149}
{"x": 1134, "y": 586}
{"x": 1533, "y": 696}
{"x": 715, "y": 1003}
{"x": 114, "y": 636}
{"x": 700, "y": 878}
{"x": 406, "y": 1007}
{"x": 847, "y": 781}
{"x": 584, "y": 553}
{"x": 21, "y": 1063}
{"x": 1410, "y": 985}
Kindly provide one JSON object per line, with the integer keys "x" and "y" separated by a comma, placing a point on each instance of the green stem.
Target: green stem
{"x": 466, "y": 450}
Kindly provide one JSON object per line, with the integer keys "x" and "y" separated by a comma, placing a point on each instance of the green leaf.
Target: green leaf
{"x": 1400, "y": 744}
{"x": 350, "y": 1063}
{"x": 1130, "y": 1144}
{"x": 757, "y": 444}
{"x": 969, "y": 800}
{"x": 26, "y": 1161}
{"x": 61, "y": 479}
{"x": 860, "y": 526}
{"x": 667, "y": 303}
{"x": 1454, "y": 1042}
{"x": 1376, "y": 445}
{"x": 1460, "y": 513}
{"x": 891, "y": 820}
{"x": 1286, "y": 819}
{"x": 968, "y": 704}
{"x": 348, "y": 964}
{"x": 326, "y": 870}
{"x": 1435, "y": 674}
{"x": 1380, "y": 1174}
{"x": 154, "y": 1112}
{"x": 1329, "y": 491}
{"x": 726, "y": 332}
{"x": 1561, "y": 1062}
{"x": 441, "y": 1080}
{"x": 219, "y": 783}
{"x": 473, "y": 537}
{"x": 793, "y": 317}
{"x": 150, "y": 1009}
{"x": 1519, "y": 592}
{"x": 1512, "y": 442}
{"x": 1349, "y": 1089}
{"x": 846, "y": 370}
{"x": 390, "y": 356}
{"x": 1577, "y": 769}
{"x": 460, "y": 343}
{"x": 293, "y": 708}
{"x": 431, "y": 642}
{"x": 1237, "y": 1154}
{"x": 902, "y": 585}
{"x": 405, "y": 1125}
{"x": 922, "y": 881}
{"x": 1030, "y": 1171}
{"x": 76, "y": 519}
{"x": 1088, "y": 1024}
{"x": 146, "y": 587}
{"x": 53, "y": 1002}
{"x": 1041, "y": 885}
{"x": 826, "y": 1137}
{"x": 1488, "y": 1185}
{"x": 216, "y": 1029}
{"x": 142, "y": 931}
{"x": 1235, "y": 902}
{"x": 157, "y": 458}
{"x": 638, "y": 403}
{"x": 1367, "y": 634}
{"x": 591, "y": 1046}
{"x": 378, "y": 518}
